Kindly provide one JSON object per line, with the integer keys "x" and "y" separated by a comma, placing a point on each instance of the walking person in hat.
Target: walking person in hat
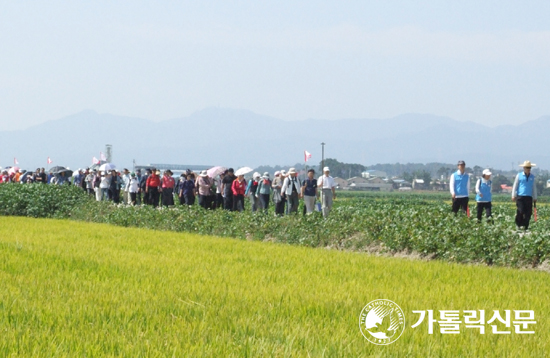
{"x": 251, "y": 191}
{"x": 152, "y": 187}
{"x": 328, "y": 191}
{"x": 292, "y": 190}
{"x": 227, "y": 181}
{"x": 277, "y": 198}
{"x": 167, "y": 185}
{"x": 204, "y": 189}
{"x": 133, "y": 188}
{"x": 484, "y": 195}
{"x": 264, "y": 191}
{"x": 524, "y": 193}
{"x": 459, "y": 185}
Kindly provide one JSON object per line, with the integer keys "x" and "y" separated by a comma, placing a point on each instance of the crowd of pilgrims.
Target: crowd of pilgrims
{"x": 226, "y": 190}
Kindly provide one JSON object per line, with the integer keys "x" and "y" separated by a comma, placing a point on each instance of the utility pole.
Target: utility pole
{"x": 322, "y": 157}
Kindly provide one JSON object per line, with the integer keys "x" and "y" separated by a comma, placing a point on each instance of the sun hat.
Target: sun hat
{"x": 277, "y": 173}
{"x": 326, "y": 169}
{"x": 157, "y": 172}
{"x": 256, "y": 175}
{"x": 487, "y": 172}
{"x": 133, "y": 174}
{"x": 292, "y": 171}
{"x": 283, "y": 172}
{"x": 203, "y": 173}
{"x": 527, "y": 164}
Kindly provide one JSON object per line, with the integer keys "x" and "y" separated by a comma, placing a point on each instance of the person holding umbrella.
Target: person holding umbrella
{"x": 459, "y": 185}
{"x": 524, "y": 193}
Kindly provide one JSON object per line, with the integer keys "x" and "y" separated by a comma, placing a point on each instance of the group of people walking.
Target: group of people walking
{"x": 228, "y": 191}
{"x": 225, "y": 191}
{"x": 524, "y": 193}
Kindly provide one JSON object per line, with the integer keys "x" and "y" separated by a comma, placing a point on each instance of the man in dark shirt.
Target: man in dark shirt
{"x": 227, "y": 181}
{"x": 143, "y": 185}
{"x": 309, "y": 191}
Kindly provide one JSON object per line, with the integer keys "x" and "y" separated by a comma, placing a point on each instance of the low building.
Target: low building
{"x": 356, "y": 180}
{"x": 341, "y": 183}
{"x": 373, "y": 184}
{"x": 373, "y": 173}
{"x": 440, "y": 185}
{"x": 418, "y": 184}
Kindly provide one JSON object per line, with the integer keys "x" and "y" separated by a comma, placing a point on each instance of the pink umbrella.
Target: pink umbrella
{"x": 213, "y": 172}
{"x": 13, "y": 170}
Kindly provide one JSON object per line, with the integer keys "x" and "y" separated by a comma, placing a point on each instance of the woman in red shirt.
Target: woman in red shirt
{"x": 238, "y": 188}
{"x": 167, "y": 188}
{"x": 152, "y": 188}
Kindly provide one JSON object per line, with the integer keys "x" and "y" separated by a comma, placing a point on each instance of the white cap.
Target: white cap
{"x": 487, "y": 172}
{"x": 326, "y": 169}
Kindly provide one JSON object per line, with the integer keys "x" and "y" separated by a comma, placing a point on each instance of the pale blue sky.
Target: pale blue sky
{"x": 483, "y": 61}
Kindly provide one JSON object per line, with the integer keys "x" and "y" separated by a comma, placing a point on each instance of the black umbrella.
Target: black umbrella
{"x": 56, "y": 169}
{"x": 68, "y": 172}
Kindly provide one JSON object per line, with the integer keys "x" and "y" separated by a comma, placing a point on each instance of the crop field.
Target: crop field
{"x": 82, "y": 289}
{"x": 409, "y": 224}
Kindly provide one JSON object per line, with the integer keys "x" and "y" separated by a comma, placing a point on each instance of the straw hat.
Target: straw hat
{"x": 292, "y": 171}
{"x": 527, "y": 164}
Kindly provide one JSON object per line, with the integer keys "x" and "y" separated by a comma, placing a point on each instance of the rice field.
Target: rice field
{"x": 80, "y": 289}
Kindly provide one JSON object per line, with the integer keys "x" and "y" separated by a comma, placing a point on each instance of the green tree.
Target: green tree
{"x": 342, "y": 170}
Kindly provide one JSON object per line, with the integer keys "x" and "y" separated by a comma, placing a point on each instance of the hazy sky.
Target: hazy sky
{"x": 484, "y": 61}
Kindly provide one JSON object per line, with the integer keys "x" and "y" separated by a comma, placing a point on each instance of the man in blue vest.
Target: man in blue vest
{"x": 524, "y": 193}
{"x": 483, "y": 195}
{"x": 459, "y": 185}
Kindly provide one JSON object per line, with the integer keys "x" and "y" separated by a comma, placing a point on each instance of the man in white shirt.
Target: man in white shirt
{"x": 327, "y": 185}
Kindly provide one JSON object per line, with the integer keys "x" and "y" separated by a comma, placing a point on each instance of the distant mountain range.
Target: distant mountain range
{"x": 218, "y": 136}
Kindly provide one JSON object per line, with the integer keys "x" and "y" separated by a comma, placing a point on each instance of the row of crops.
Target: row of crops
{"x": 382, "y": 223}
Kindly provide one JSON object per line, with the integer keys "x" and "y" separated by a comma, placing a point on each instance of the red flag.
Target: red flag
{"x": 15, "y": 162}
{"x": 49, "y": 161}
{"x": 307, "y": 155}
{"x": 102, "y": 156}
{"x": 95, "y": 160}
